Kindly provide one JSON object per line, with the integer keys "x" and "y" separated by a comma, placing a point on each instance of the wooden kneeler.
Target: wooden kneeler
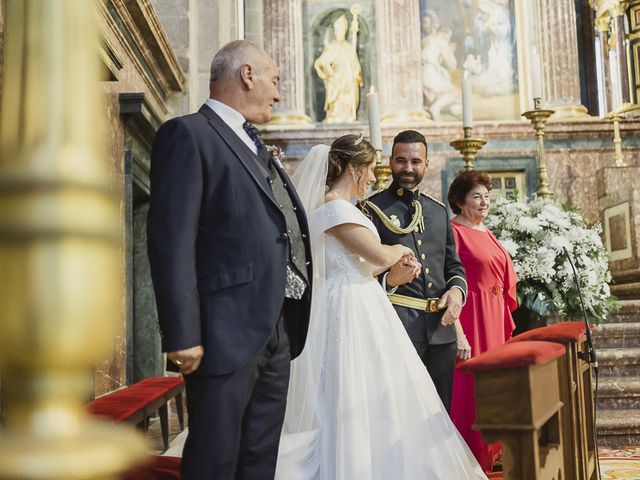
{"x": 576, "y": 393}
{"x": 518, "y": 403}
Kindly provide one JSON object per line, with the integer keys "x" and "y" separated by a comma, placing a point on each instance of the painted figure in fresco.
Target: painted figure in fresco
{"x": 438, "y": 59}
{"x": 339, "y": 68}
{"x": 493, "y": 48}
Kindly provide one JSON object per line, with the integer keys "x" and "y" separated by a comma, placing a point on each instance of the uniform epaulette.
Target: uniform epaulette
{"x": 373, "y": 193}
{"x": 433, "y": 199}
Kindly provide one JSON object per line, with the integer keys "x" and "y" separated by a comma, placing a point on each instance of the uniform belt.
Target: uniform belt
{"x": 425, "y": 304}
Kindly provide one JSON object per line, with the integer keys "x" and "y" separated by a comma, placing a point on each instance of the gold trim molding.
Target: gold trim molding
{"x": 405, "y": 117}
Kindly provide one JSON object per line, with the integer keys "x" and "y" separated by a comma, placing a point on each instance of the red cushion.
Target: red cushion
{"x": 117, "y": 409}
{"x": 158, "y": 468}
{"x": 514, "y": 355}
{"x": 165, "y": 383}
{"x": 122, "y": 404}
{"x": 564, "y": 332}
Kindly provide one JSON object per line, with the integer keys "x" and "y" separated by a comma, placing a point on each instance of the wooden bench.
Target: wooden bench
{"x": 576, "y": 394}
{"x": 138, "y": 402}
{"x": 518, "y": 403}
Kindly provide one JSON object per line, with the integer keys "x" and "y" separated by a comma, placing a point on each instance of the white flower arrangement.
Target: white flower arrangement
{"x": 535, "y": 234}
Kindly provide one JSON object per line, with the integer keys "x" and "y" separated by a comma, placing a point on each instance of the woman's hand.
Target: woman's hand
{"x": 404, "y": 271}
{"x": 463, "y": 348}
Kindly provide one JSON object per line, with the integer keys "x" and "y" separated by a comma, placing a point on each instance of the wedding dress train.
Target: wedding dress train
{"x": 361, "y": 404}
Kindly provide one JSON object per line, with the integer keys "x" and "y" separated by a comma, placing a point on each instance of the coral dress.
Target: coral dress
{"x": 486, "y": 321}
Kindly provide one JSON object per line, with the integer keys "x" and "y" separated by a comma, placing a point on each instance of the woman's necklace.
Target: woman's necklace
{"x": 468, "y": 223}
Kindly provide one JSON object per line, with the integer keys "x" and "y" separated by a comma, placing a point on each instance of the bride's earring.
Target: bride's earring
{"x": 353, "y": 176}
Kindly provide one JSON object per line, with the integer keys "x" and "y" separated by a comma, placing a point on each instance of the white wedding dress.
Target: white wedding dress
{"x": 361, "y": 404}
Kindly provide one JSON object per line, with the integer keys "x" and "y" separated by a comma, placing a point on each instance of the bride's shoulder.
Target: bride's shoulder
{"x": 339, "y": 207}
{"x": 336, "y": 212}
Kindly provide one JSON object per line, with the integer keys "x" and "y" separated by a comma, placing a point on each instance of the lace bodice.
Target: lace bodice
{"x": 338, "y": 259}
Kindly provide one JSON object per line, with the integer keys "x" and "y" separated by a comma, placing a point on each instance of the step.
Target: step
{"x": 625, "y": 335}
{"x": 626, "y": 290}
{"x": 629, "y": 311}
{"x": 619, "y": 393}
{"x": 618, "y": 427}
{"x": 619, "y": 362}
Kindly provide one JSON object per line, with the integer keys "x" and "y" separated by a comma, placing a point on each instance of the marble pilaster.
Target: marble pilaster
{"x": 618, "y": 43}
{"x": 602, "y": 25}
{"x": 283, "y": 40}
{"x": 558, "y": 44}
{"x": 399, "y": 61}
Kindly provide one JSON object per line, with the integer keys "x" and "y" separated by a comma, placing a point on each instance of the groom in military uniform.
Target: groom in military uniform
{"x": 428, "y": 300}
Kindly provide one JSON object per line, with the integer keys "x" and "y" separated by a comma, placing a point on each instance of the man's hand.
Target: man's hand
{"x": 452, "y": 301}
{"x": 404, "y": 271}
{"x": 463, "y": 348}
{"x": 188, "y": 359}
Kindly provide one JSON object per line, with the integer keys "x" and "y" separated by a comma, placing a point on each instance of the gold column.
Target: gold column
{"x": 59, "y": 252}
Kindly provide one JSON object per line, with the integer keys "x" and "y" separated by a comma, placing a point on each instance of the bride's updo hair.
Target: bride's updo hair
{"x": 348, "y": 150}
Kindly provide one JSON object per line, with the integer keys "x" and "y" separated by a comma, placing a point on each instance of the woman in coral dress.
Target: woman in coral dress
{"x": 485, "y": 320}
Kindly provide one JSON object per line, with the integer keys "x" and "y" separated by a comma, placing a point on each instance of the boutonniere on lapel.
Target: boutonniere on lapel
{"x": 395, "y": 220}
{"x": 277, "y": 153}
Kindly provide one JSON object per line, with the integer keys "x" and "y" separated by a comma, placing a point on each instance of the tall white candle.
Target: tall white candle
{"x": 536, "y": 79}
{"x": 467, "y": 108}
{"x": 373, "y": 108}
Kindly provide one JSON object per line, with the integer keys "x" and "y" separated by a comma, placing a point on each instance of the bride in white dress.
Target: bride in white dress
{"x": 361, "y": 405}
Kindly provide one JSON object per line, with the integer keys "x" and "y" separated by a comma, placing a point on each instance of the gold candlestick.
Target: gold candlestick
{"x": 538, "y": 117}
{"x": 468, "y": 147}
{"x": 615, "y": 116}
{"x": 382, "y": 173}
{"x": 60, "y": 250}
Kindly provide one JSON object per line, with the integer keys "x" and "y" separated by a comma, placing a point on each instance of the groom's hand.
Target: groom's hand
{"x": 452, "y": 301}
{"x": 188, "y": 359}
{"x": 404, "y": 271}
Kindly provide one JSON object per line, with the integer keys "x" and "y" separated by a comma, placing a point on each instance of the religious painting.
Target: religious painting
{"x": 617, "y": 232}
{"x": 476, "y": 38}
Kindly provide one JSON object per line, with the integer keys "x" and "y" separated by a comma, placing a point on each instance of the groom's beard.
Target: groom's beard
{"x": 407, "y": 180}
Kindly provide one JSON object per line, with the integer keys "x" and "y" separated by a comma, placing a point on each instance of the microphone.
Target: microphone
{"x": 590, "y": 355}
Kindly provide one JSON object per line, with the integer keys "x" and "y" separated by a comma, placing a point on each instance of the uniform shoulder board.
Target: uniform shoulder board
{"x": 373, "y": 193}
{"x": 434, "y": 199}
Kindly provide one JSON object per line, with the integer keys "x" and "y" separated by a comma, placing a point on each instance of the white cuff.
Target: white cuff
{"x": 391, "y": 290}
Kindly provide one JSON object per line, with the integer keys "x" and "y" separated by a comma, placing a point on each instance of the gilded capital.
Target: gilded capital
{"x": 611, "y": 7}
{"x": 618, "y": 8}
{"x": 602, "y": 23}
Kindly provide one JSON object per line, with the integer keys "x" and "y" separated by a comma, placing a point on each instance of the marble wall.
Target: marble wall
{"x": 141, "y": 62}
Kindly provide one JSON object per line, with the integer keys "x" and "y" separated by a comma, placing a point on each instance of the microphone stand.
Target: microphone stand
{"x": 590, "y": 357}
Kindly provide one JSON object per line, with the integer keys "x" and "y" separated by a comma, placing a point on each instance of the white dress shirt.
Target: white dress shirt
{"x": 234, "y": 119}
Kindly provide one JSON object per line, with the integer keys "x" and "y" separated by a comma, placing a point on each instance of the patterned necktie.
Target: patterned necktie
{"x": 254, "y": 135}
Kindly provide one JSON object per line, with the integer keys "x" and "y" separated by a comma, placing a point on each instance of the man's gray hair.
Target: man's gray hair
{"x": 232, "y": 56}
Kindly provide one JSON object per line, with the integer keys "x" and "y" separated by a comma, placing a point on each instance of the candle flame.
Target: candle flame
{"x": 372, "y": 89}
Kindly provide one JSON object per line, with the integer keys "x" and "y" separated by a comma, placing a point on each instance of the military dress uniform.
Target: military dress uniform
{"x": 420, "y": 222}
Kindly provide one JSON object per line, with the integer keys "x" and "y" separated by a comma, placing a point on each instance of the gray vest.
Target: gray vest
{"x": 297, "y": 255}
